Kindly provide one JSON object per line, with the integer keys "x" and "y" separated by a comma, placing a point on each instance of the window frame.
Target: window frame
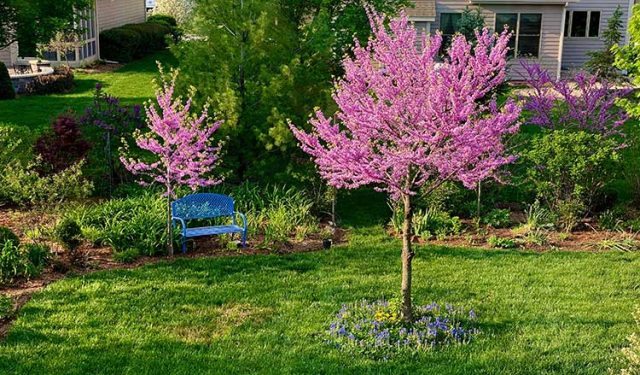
{"x": 569, "y": 25}
{"x": 516, "y": 49}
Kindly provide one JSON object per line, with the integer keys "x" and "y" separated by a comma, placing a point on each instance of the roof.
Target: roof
{"x": 423, "y": 9}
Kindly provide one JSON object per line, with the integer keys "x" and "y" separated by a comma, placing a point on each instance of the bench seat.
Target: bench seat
{"x": 215, "y": 230}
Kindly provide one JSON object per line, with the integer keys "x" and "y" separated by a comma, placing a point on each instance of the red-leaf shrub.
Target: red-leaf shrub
{"x": 63, "y": 147}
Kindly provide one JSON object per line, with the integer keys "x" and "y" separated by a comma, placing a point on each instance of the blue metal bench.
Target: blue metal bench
{"x": 206, "y": 206}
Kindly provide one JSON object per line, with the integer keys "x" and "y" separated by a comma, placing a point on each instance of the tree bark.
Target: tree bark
{"x": 169, "y": 227}
{"x": 407, "y": 257}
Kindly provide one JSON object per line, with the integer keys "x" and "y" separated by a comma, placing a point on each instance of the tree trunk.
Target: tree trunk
{"x": 407, "y": 257}
{"x": 169, "y": 227}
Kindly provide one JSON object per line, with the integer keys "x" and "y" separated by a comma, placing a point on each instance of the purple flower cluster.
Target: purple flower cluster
{"x": 108, "y": 114}
{"x": 377, "y": 329}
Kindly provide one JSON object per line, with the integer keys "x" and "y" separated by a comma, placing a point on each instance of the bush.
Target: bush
{"x": 570, "y": 169}
{"x": 60, "y": 81}
{"x": 376, "y": 329}
{"x": 497, "y": 218}
{"x": 13, "y": 263}
{"x": 113, "y": 121}
{"x": 7, "y": 235}
{"x": 163, "y": 18}
{"x": 6, "y": 87}
{"x": 38, "y": 255}
{"x": 127, "y": 42}
{"x": 63, "y": 147}
{"x": 25, "y": 186}
{"x": 68, "y": 234}
{"x": 119, "y": 44}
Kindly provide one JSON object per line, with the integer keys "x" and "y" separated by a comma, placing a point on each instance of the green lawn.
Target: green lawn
{"x": 132, "y": 83}
{"x": 555, "y": 312}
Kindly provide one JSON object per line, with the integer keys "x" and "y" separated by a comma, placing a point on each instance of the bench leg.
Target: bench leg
{"x": 184, "y": 245}
{"x": 244, "y": 238}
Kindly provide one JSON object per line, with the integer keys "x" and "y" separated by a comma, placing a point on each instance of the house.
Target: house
{"x": 105, "y": 14}
{"x": 557, "y": 34}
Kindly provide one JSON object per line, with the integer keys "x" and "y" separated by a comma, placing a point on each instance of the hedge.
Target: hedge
{"x": 132, "y": 41}
{"x": 6, "y": 87}
{"x": 163, "y": 18}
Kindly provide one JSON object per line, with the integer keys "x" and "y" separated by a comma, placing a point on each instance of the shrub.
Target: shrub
{"x": 570, "y": 169}
{"x": 163, "y": 18}
{"x": 127, "y": 42}
{"x": 38, "y": 255}
{"x": 376, "y": 330}
{"x": 497, "y": 218}
{"x": 63, "y": 147}
{"x": 68, "y": 234}
{"x": 6, "y": 87}
{"x": 7, "y": 235}
{"x": 60, "y": 81}
{"x": 13, "y": 263}
{"x": 501, "y": 243}
{"x": 25, "y": 186}
{"x": 119, "y": 44}
{"x": 114, "y": 121}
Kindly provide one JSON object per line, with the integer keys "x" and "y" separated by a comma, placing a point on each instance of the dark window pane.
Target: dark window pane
{"x": 50, "y": 55}
{"x": 579, "y": 24}
{"x": 567, "y": 22}
{"x": 529, "y": 46}
{"x": 71, "y": 56}
{"x": 530, "y": 24}
{"x": 594, "y": 24}
{"x": 448, "y": 22}
{"x": 506, "y": 19}
{"x": 511, "y": 21}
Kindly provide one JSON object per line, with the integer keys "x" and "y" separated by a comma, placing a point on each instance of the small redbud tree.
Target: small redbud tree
{"x": 181, "y": 145}
{"x": 408, "y": 119}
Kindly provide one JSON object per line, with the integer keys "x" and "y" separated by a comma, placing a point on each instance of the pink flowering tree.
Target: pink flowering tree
{"x": 407, "y": 119}
{"x": 181, "y": 149}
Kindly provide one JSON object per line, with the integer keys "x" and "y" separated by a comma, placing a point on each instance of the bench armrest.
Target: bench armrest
{"x": 181, "y": 220}
{"x": 244, "y": 219}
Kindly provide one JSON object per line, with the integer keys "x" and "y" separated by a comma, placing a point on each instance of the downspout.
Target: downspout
{"x": 561, "y": 44}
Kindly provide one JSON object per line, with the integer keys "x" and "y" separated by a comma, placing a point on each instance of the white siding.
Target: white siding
{"x": 9, "y": 55}
{"x": 575, "y": 49}
{"x": 114, "y": 13}
{"x": 551, "y": 29}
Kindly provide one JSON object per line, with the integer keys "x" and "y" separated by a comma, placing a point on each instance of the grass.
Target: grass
{"x": 30, "y": 115}
{"x": 556, "y": 312}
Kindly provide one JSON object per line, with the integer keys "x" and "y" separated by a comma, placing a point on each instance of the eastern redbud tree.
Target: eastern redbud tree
{"x": 407, "y": 119}
{"x": 180, "y": 144}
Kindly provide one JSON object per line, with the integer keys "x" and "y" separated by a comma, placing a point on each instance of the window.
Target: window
{"x": 448, "y": 26}
{"x": 422, "y": 27}
{"x": 526, "y": 28}
{"x": 582, "y": 24}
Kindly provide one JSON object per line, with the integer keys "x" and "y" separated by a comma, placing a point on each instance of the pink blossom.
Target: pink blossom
{"x": 407, "y": 118}
{"x": 181, "y": 144}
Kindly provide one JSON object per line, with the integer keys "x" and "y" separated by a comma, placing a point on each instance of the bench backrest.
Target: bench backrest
{"x": 203, "y": 206}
